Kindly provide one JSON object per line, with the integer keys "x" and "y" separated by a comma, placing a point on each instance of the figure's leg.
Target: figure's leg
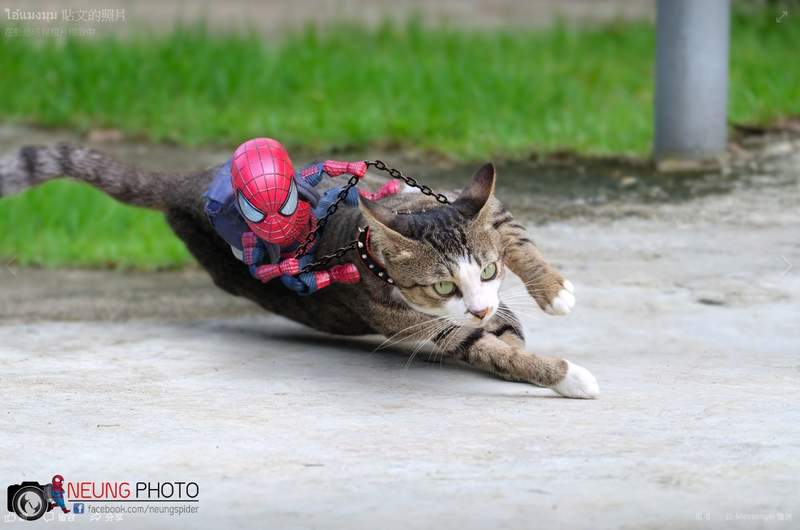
{"x": 59, "y": 498}
{"x": 547, "y": 286}
{"x": 346, "y": 273}
{"x": 390, "y": 188}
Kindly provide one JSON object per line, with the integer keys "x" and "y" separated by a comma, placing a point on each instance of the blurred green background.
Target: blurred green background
{"x": 467, "y": 94}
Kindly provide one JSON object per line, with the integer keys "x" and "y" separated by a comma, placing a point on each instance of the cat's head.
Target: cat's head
{"x": 446, "y": 260}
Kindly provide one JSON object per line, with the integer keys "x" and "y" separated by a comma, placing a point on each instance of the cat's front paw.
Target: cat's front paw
{"x": 578, "y": 383}
{"x": 564, "y": 300}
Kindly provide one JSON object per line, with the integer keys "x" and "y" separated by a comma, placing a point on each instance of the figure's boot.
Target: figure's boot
{"x": 347, "y": 273}
{"x": 390, "y": 188}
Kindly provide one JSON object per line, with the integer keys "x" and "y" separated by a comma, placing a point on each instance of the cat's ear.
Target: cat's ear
{"x": 387, "y": 227}
{"x": 476, "y": 195}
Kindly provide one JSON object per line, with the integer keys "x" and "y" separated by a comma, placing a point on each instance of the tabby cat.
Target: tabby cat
{"x": 446, "y": 260}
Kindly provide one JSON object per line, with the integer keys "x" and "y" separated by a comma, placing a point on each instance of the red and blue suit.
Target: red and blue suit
{"x": 57, "y": 494}
{"x": 264, "y": 211}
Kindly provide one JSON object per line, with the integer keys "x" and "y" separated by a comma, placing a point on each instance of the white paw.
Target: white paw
{"x": 564, "y": 301}
{"x": 409, "y": 189}
{"x": 578, "y": 383}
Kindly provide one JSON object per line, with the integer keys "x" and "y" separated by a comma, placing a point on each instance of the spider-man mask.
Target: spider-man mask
{"x": 266, "y": 193}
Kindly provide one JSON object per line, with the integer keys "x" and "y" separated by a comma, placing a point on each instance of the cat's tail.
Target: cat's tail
{"x": 33, "y": 165}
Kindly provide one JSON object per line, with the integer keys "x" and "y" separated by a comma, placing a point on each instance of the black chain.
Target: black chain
{"x": 411, "y": 181}
{"x": 341, "y": 251}
{"x": 322, "y": 221}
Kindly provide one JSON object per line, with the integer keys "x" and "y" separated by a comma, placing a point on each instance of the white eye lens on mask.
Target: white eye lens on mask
{"x": 290, "y": 205}
{"x": 250, "y": 212}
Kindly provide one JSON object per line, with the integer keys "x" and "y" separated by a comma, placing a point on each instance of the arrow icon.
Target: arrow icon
{"x": 788, "y": 266}
{"x": 783, "y": 14}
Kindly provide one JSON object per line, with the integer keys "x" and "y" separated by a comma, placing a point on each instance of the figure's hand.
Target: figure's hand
{"x": 335, "y": 168}
{"x": 289, "y": 266}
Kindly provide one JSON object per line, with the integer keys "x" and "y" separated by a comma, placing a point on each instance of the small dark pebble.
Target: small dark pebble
{"x": 710, "y": 301}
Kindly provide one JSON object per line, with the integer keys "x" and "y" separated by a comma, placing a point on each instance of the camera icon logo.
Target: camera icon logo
{"x": 28, "y": 500}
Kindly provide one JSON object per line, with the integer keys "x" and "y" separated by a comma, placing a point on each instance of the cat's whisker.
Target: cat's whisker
{"x": 389, "y": 341}
{"x": 409, "y": 337}
{"x": 530, "y": 293}
{"x": 509, "y": 314}
{"x": 508, "y": 318}
{"x": 440, "y": 327}
{"x": 517, "y": 297}
{"x": 449, "y": 338}
{"x": 533, "y": 281}
{"x": 444, "y": 343}
{"x": 522, "y": 316}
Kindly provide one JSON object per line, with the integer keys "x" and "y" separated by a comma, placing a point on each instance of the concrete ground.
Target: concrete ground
{"x": 687, "y": 313}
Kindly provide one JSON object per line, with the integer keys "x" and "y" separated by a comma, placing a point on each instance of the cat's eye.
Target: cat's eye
{"x": 445, "y": 288}
{"x": 489, "y": 272}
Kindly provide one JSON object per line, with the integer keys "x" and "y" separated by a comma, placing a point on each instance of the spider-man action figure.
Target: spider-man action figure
{"x": 57, "y": 494}
{"x": 264, "y": 212}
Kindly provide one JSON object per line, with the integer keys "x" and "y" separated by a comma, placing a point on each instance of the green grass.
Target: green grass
{"x": 466, "y": 94}
{"x": 68, "y": 224}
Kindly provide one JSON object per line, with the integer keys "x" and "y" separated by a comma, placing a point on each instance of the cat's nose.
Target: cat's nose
{"x": 481, "y": 314}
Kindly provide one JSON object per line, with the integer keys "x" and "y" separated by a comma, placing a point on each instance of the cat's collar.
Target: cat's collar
{"x": 373, "y": 264}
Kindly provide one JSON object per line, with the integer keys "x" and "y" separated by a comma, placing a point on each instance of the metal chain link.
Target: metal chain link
{"x": 411, "y": 181}
{"x": 321, "y": 222}
{"x": 341, "y": 251}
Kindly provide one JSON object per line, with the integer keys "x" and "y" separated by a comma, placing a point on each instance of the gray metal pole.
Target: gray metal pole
{"x": 691, "y": 86}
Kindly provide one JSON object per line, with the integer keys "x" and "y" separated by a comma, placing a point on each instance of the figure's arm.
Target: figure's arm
{"x": 333, "y": 168}
{"x": 253, "y": 252}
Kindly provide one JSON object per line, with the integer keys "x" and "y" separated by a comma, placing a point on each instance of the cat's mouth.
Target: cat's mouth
{"x": 478, "y": 322}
